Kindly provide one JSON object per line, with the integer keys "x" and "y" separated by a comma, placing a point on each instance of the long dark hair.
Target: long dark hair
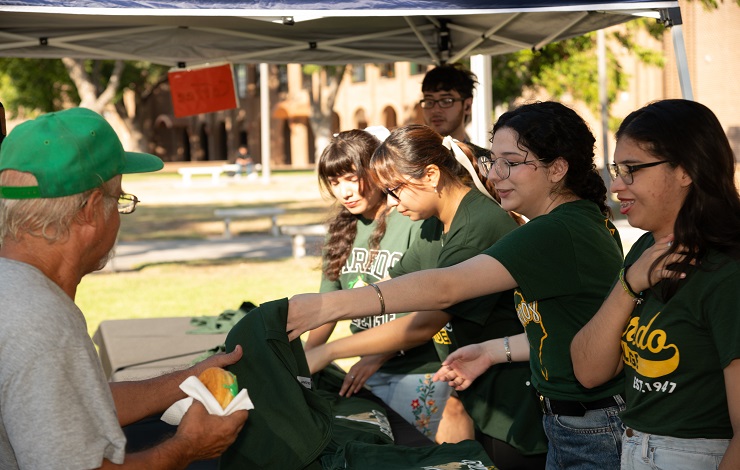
{"x": 688, "y": 134}
{"x": 552, "y": 130}
{"x": 348, "y": 152}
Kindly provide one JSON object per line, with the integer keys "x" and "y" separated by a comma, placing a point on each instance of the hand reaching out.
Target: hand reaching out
{"x": 360, "y": 372}
{"x": 463, "y": 366}
{"x": 304, "y": 314}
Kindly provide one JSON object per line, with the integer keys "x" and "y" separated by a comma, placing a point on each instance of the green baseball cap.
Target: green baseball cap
{"x": 69, "y": 152}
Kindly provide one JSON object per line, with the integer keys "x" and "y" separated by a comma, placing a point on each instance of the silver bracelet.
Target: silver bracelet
{"x": 380, "y": 297}
{"x": 507, "y": 350}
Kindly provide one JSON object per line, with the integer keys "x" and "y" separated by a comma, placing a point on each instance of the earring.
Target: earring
{"x": 434, "y": 186}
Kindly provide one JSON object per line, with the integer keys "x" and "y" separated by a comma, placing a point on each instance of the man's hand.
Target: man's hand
{"x": 217, "y": 360}
{"x": 208, "y": 436}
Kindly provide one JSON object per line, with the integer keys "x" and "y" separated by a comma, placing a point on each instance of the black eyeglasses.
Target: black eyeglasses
{"x": 501, "y": 165}
{"x": 392, "y": 191}
{"x": 127, "y": 203}
{"x": 627, "y": 171}
{"x": 443, "y": 103}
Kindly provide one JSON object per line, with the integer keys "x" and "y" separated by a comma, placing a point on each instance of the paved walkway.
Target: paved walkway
{"x": 133, "y": 255}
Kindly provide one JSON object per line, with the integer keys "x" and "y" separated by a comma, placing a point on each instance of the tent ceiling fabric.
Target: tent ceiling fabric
{"x": 363, "y": 31}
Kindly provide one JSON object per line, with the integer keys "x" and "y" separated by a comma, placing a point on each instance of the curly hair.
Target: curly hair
{"x": 551, "y": 130}
{"x": 348, "y": 152}
{"x": 688, "y": 134}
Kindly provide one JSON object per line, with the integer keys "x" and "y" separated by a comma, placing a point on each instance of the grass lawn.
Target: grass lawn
{"x": 192, "y": 289}
{"x": 171, "y": 211}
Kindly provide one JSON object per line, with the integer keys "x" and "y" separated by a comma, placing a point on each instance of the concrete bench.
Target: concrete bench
{"x": 299, "y": 233}
{"x": 188, "y": 172}
{"x": 254, "y": 213}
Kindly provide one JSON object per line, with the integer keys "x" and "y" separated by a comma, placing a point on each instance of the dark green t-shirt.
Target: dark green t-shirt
{"x": 564, "y": 263}
{"x": 501, "y": 401}
{"x": 675, "y": 351}
{"x": 399, "y": 234}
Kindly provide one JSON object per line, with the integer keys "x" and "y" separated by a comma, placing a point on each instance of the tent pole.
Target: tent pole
{"x": 265, "y": 120}
{"x": 480, "y": 125}
{"x": 671, "y": 17}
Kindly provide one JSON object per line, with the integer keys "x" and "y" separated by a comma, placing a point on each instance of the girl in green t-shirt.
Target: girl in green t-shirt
{"x": 672, "y": 320}
{"x": 561, "y": 265}
{"x": 366, "y": 237}
{"x": 434, "y": 179}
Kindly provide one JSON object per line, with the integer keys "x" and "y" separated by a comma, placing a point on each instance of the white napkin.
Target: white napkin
{"x": 195, "y": 389}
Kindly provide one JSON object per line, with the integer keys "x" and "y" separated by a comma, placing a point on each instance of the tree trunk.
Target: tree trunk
{"x": 322, "y": 99}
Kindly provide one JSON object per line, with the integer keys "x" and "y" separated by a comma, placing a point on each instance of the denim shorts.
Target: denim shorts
{"x": 589, "y": 442}
{"x": 415, "y": 397}
{"x": 642, "y": 451}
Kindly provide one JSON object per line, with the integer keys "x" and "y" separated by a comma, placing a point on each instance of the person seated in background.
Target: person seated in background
{"x": 60, "y": 206}
{"x": 245, "y": 161}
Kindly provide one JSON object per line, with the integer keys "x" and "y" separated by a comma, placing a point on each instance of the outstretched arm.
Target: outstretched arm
{"x": 468, "y": 363}
{"x": 398, "y": 335}
{"x": 319, "y": 336}
{"x": 431, "y": 289}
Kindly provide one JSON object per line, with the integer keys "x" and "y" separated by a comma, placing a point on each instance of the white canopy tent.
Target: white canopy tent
{"x": 187, "y": 33}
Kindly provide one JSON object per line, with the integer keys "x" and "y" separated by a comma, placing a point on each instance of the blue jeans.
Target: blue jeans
{"x": 415, "y": 397}
{"x": 589, "y": 442}
{"x": 642, "y": 451}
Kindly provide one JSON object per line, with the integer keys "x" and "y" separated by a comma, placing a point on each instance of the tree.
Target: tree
{"x": 570, "y": 66}
{"x": 99, "y": 85}
{"x": 322, "y": 94}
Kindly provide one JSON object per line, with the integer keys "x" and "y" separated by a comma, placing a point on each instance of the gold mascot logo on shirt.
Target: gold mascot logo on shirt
{"x": 648, "y": 342}
{"x": 528, "y": 312}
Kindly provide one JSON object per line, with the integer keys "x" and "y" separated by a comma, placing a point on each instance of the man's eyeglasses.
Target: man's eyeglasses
{"x": 392, "y": 191}
{"x": 501, "y": 165}
{"x": 443, "y": 103}
{"x": 127, "y": 203}
{"x": 627, "y": 171}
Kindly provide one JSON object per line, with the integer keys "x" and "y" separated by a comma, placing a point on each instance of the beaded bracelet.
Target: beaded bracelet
{"x": 636, "y": 298}
{"x": 507, "y": 350}
{"x": 380, "y": 297}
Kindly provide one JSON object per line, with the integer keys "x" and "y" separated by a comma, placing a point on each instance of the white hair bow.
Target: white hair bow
{"x": 379, "y": 132}
{"x": 451, "y": 144}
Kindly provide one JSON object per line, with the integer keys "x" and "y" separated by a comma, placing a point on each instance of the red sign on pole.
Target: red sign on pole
{"x": 202, "y": 90}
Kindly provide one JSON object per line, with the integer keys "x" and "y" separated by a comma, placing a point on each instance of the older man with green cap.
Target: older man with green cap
{"x": 60, "y": 206}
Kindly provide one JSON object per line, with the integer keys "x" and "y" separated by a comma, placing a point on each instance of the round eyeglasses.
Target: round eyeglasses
{"x": 501, "y": 165}
{"x": 443, "y": 103}
{"x": 127, "y": 203}
{"x": 627, "y": 171}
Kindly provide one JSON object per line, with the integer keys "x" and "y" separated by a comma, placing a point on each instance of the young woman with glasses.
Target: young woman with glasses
{"x": 365, "y": 238}
{"x": 672, "y": 320}
{"x": 561, "y": 265}
{"x": 434, "y": 179}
